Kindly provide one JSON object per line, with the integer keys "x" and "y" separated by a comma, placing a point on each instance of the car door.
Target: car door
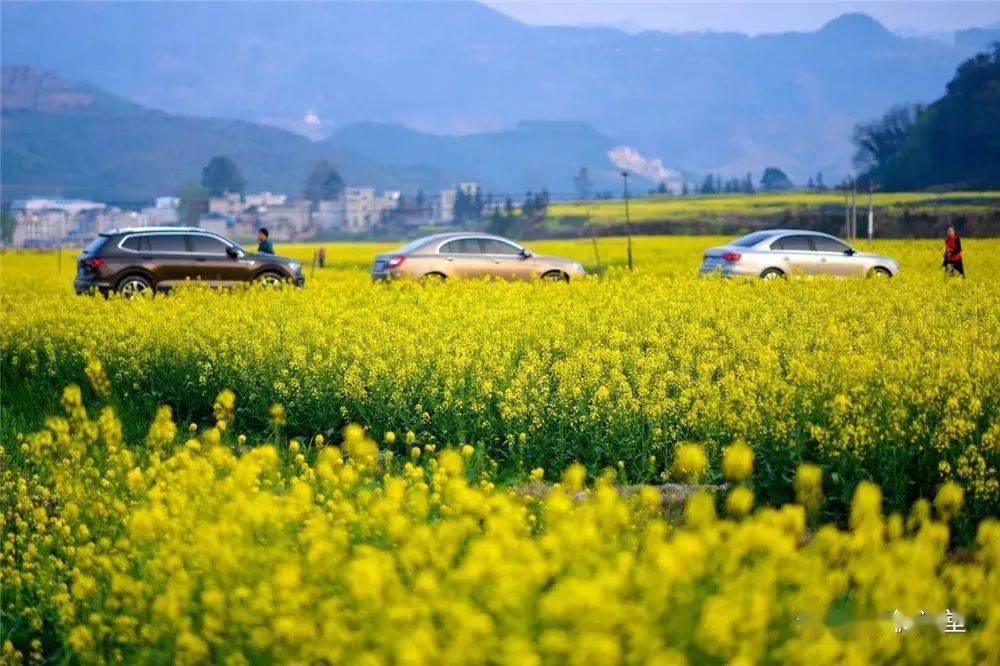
{"x": 212, "y": 263}
{"x": 463, "y": 257}
{"x": 504, "y": 259}
{"x": 171, "y": 258}
{"x": 794, "y": 254}
{"x": 836, "y": 258}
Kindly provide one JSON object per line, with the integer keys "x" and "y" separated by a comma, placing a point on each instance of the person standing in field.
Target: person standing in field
{"x": 264, "y": 244}
{"x": 953, "y": 253}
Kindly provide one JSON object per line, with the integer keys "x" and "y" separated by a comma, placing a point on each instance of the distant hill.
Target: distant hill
{"x": 719, "y": 102}
{"x": 953, "y": 143}
{"x": 66, "y": 138}
{"x": 532, "y": 156}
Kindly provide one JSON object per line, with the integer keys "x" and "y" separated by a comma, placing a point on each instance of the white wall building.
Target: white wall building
{"x": 359, "y": 208}
{"x": 286, "y": 221}
{"x": 42, "y": 222}
{"x": 227, "y": 204}
{"x": 264, "y": 199}
{"x": 446, "y": 206}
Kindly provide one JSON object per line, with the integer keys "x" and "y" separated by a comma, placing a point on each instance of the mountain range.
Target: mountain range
{"x": 420, "y": 77}
{"x": 62, "y": 137}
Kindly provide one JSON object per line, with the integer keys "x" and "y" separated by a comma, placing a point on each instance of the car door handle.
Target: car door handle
{"x": 450, "y": 258}
{"x": 495, "y": 261}
{"x": 822, "y": 258}
{"x": 199, "y": 258}
{"x": 784, "y": 258}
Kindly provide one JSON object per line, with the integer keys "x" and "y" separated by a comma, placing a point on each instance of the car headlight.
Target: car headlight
{"x": 295, "y": 266}
{"x": 578, "y": 267}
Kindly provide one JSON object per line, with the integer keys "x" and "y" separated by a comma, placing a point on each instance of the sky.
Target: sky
{"x": 921, "y": 16}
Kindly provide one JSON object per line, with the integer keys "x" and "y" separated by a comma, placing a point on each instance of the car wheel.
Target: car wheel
{"x": 434, "y": 278}
{"x": 879, "y": 272}
{"x": 269, "y": 279}
{"x": 772, "y": 274}
{"x": 555, "y": 276}
{"x": 134, "y": 286}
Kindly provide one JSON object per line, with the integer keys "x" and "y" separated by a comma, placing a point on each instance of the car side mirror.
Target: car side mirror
{"x": 850, "y": 251}
{"x": 234, "y": 253}
{"x": 526, "y": 253}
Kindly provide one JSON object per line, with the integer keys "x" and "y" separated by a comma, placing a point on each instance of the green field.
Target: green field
{"x": 734, "y": 206}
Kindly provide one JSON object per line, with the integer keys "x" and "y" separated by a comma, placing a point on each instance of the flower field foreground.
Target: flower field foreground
{"x": 181, "y": 549}
{"x": 895, "y": 381}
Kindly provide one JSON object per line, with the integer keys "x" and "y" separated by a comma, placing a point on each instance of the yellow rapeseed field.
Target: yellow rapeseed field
{"x": 472, "y": 471}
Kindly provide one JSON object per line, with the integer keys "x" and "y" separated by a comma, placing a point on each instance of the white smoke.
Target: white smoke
{"x": 311, "y": 118}
{"x": 630, "y": 159}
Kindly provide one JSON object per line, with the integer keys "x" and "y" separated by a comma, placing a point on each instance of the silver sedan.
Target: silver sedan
{"x": 783, "y": 252}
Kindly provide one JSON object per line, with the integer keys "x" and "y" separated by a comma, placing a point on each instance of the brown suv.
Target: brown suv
{"x": 134, "y": 261}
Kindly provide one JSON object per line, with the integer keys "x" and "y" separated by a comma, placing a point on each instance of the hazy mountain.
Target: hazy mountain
{"x": 710, "y": 102}
{"x": 72, "y": 139}
{"x": 532, "y": 156}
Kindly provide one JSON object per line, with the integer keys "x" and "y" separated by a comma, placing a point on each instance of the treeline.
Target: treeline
{"x": 953, "y": 143}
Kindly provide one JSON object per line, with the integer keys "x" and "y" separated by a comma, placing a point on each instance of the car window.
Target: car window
{"x": 793, "y": 243}
{"x": 494, "y": 246}
{"x": 136, "y": 243}
{"x": 751, "y": 239}
{"x": 824, "y": 244}
{"x": 203, "y": 244}
{"x": 95, "y": 245}
{"x": 167, "y": 243}
{"x": 462, "y": 246}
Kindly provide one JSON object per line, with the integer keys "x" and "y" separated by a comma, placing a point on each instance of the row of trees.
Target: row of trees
{"x": 222, "y": 176}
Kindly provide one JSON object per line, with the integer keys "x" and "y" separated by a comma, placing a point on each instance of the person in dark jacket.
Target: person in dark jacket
{"x": 953, "y": 253}
{"x": 265, "y": 246}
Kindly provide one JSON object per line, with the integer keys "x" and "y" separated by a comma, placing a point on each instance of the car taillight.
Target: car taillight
{"x": 94, "y": 264}
{"x": 731, "y": 256}
{"x": 395, "y": 262}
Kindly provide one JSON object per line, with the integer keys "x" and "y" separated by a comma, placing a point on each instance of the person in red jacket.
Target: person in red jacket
{"x": 953, "y": 253}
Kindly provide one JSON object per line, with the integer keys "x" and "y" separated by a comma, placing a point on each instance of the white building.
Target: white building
{"x": 42, "y": 222}
{"x": 389, "y": 201}
{"x": 469, "y": 188}
{"x": 163, "y": 213}
{"x": 264, "y": 199}
{"x": 329, "y": 214}
{"x": 227, "y": 204}
{"x": 446, "y": 206}
{"x": 359, "y": 208}
{"x": 215, "y": 223}
{"x": 285, "y": 221}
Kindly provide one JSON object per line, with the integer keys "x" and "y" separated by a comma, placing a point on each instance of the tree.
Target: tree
{"x": 421, "y": 199}
{"x": 708, "y": 186}
{"x": 810, "y": 185}
{"x": 581, "y": 181}
{"x": 661, "y": 188}
{"x": 324, "y": 183}
{"x": 508, "y": 207}
{"x": 8, "y": 224}
{"x": 953, "y": 142}
{"x": 221, "y": 175}
{"x": 775, "y": 180}
{"x": 193, "y": 204}
{"x": 684, "y": 188}
{"x": 819, "y": 181}
{"x": 748, "y": 184}
{"x": 877, "y": 141}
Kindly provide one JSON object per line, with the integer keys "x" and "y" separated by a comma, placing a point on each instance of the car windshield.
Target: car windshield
{"x": 750, "y": 239}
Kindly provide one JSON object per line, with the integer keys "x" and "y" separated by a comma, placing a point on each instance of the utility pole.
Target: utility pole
{"x": 854, "y": 210}
{"x": 871, "y": 212}
{"x": 593, "y": 239}
{"x": 847, "y": 212}
{"x": 628, "y": 221}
